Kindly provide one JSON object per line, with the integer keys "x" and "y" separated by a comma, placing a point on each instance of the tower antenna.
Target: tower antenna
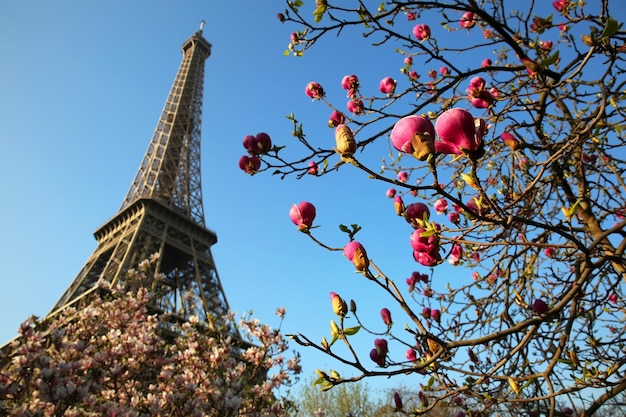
{"x": 202, "y": 22}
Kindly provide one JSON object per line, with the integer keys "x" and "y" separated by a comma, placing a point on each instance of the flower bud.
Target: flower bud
{"x": 540, "y": 307}
{"x": 302, "y": 215}
{"x": 355, "y": 252}
{"x": 314, "y": 90}
{"x": 385, "y": 314}
{"x": 346, "y": 145}
{"x": 340, "y": 307}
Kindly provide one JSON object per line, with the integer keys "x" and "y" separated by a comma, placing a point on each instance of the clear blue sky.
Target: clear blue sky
{"x": 83, "y": 84}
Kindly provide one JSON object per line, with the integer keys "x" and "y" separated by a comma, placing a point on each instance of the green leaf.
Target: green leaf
{"x": 344, "y": 228}
{"x": 610, "y": 28}
{"x": 350, "y": 331}
{"x": 431, "y": 382}
{"x": 549, "y": 60}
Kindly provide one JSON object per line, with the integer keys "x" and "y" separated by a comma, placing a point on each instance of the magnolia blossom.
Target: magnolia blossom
{"x": 421, "y": 32}
{"x": 355, "y": 252}
{"x": 385, "y": 314}
{"x": 414, "y": 135}
{"x": 259, "y": 144}
{"x": 336, "y": 118}
{"x": 486, "y": 63}
{"x": 441, "y": 206}
{"x": 411, "y": 354}
{"x": 425, "y": 248}
{"x": 467, "y": 20}
{"x": 312, "y": 168}
{"x": 249, "y": 164}
{"x": 344, "y": 140}
{"x": 444, "y": 70}
{"x": 403, "y": 176}
{"x": 416, "y": 213}
{"x": 413, "y": 75}
{"x": 510, "y": 140}
{"x": 350, "y": 82}
{"x": 302, "y": 215}
{"x": 398, "y": 204}
{"x": 540, "y": 307}
{"x": 379, "y": 353}
{"x": 408, "y": 61}
{"x": 458, "y": 134}
{"x": 387, "y": 85}
{"x": 391, "y": 193}
{"x": 355, "y": 106}
{"x": 560, "y": 5}
{"x": 314, "y": 90}
{"x": 478, "y": 94}
{"x": 435, "y": 314}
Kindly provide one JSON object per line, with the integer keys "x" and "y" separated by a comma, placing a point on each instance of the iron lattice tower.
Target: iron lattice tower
{"x": 163, "y": 213}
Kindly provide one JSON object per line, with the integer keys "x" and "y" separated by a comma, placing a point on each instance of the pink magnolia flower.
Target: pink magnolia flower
{"x": 435, "y": 314}
{"x": 425, "y": 249}
{"x": 426, "y": 312}
{"x": 259, "y": 144}
{"x": 391, "y": 193}
{"x": 350, "y": 82}
{"x": 546, "y": 45}
{"x": 441, "y": 206}
{"x": 397, "y": 401}
{"x": 510, "y": 140}
{"x": 413, "y": 75}
{"x": 477, "y": 205}
{"x": 385, "y": 314}
{"x": 302, "y": 215}
{"x": 549, "y": 252}
{"x": 486, "y": 63}
{"x": 250, "y": 164}
{"x": 421, "y": 32}
{"x": 387, "y": 85}
{"x": 408, "y": 61}
{"x": 336, "y": 118}
{"x": 355, "y": 252}
{"x": 314, "y": 90}
{"x": 467, "y": 20}
{"x": 415, "y": 135}
{"x": 444, "y": 70}
{"x": 403, "y": 176}
{"x": 457, "y": 132}
{"x": 455, "y": 254}
{"x": 410, "y": 16}
{"x": 612, "y": 298}
{"x": 415, "y": 213}
{"x": 540, "y": 306}
{"x": 488, "y": 34}
{"x": 560, "y": 5}
{"x": 432, "y": 73}
{"x": 478, "y": 95}
{"x": 294, "y": 38}
{"x": 454, "y": 217}
{"x": 379, "y": 353}
{"x": 312, "y": 168}
{"x": 355, "y": 106}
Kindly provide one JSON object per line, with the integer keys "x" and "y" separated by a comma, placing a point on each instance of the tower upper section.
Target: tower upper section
{"x": 170, "y": 170}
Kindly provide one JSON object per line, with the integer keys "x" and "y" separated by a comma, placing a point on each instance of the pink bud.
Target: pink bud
{"x": 421, "y": 32}
{"x": 294, "y": 38}
{"x": 355, "y": 252}
{"x": 454, "y": 217}
{"x": 540, "y": 307}
{"x": 314, "y": 90}
{"x": 415, "y": 213}
{"x": 467, "y": 20}
{"x": 408, "y": 61}
{"x": 349, "y": 82}
{"x": 336, "y": 118}
{"x": 414, "y": 135}
{"x": 391, "y": 193}
{"x": 441, "y": 206}
{"x": 340, "y": 307}
{"x": 613, "y": 298}
{"x": 444, "y": 70}
{"x": 355, "y": 106}
{"x": 312, "y": 168}
{"x": 426, "y": 312}
{"x": 486, "y": 63}
{"x": 259, "y": 144}
{"x": 280, "y": 17}
{"x": 249, "y": 164}
{"x": 413, "y": 76}
{"x": 385, "y": 314}
{"x": 302, "y": 215}
{"x": 457, "y": 133}
{"x": 411, "y": 354}
{"x": 403, "y": 176}
{"x": 509, "y": 140}
{"x": 478, "y": 94}
{"x": 379, "y": 353}
{"x": 432, "y": 74}
{"x": 435, "y": 315}
{"x": 455, "y": 254}
{"x": 549, "y": 252}
{"x": 398, "y": 204}
{"x": 387, "y": 85}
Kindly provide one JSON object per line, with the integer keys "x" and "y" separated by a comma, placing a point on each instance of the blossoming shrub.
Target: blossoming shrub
{"x": 114, "y": 357}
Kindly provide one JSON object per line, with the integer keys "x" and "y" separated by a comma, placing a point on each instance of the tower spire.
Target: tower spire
{"x": 162, "y": 212}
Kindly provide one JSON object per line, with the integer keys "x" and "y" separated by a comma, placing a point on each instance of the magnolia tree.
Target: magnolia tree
{"x": 515, "y": 139}
{"x": 114, "y": 357}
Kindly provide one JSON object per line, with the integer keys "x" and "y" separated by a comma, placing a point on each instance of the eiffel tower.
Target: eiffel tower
{"x": 163, "y": 213}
